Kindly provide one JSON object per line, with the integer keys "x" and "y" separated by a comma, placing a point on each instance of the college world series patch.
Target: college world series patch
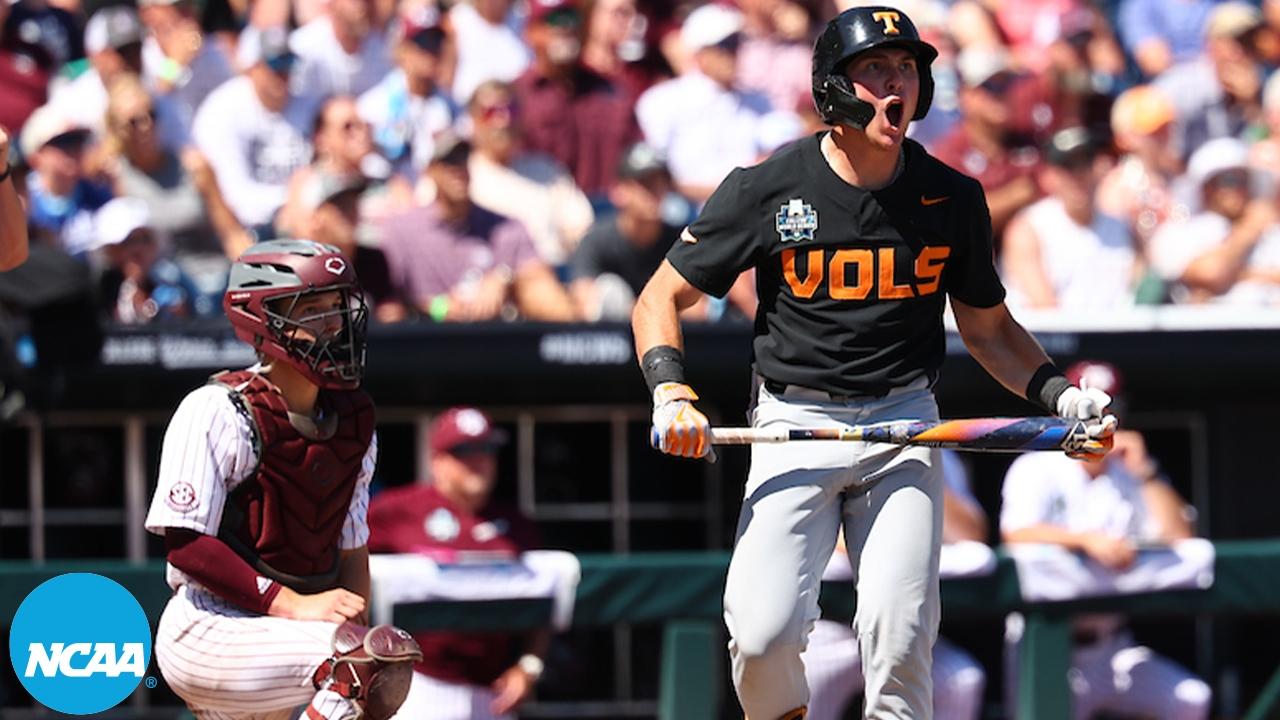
{"x": 796, "y": 221}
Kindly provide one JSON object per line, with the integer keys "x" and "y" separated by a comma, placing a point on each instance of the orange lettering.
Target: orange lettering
{"x": 929, "y": 267}
{"x": 861, "y": 258}
{"x": 888, "y": 290}
{"x": 809, "y": 286}
{"x": 889, "y": 19}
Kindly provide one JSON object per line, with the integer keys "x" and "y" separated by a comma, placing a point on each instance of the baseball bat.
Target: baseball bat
{"x": 978, "y": 434}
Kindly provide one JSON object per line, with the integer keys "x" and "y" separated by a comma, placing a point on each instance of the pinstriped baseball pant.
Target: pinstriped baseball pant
{"x": 798, "y": 495}
{"x": 228, "y": 664}
{"x": 434, "y": 699}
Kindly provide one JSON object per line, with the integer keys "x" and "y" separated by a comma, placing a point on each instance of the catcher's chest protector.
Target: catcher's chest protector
{"x": 289, "y": 513}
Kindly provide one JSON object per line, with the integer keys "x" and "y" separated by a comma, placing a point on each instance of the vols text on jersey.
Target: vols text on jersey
{"x": 862, "y": 273}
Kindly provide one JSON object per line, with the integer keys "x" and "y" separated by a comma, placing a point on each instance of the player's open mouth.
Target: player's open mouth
{"x": 894, "y": 113}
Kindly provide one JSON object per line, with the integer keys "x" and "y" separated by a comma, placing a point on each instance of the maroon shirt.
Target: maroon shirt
{"x": 956, "y": 150}
{"x": 585, "y": 123}
{"x": 24, "y": 81}
{"x": 419, "y": 519}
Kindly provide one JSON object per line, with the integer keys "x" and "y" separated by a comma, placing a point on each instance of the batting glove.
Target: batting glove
{"x": 678, "y": 427}
{"x": 1089, "y": 405}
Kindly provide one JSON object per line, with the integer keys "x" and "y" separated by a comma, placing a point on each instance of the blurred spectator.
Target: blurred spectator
{"x": 567, "y": 111}
{"x": 1161, "y": 33}
{"x": 25, "y": 70}
{"x": 489, "y": 45}
{"x": 1060, "y": 252}
{"x": 137, "y": 284}
{"x": 1217, "y": 94}
{"x": 178, "y": 61}
{"x": 1265, "y": 154}
{"x": 332, "y": 216}
{"x": 185, "y": 207}
{"x": 454, "y": 261}
{"x": 407, "y": 109}
{"x": 776, "y": 51}
{"x": 621, "y": 251}
{"x": 1139, "y": 188}
{"x": 833, "y": 661}
{"x": 343, "y": 147}
{"x": 1082, "y": 67}
{"x": 981, "y": 145}
{"x": 701, "y": 121}
{"x": 51, "y": 26}
{"x": 1105, "y": 509}
{"x": 526, "y": 186}
{"x": 113, "y": 40}
{"x": 60, "y": 198}
{"x": 340, "y": 52}
{"x": 615, "y": 46}
{"x": 452, "y": 517}
{"x": 13, "y": 220}
{"x": 254, "y": 132}
{"x": 1230, "y": 251}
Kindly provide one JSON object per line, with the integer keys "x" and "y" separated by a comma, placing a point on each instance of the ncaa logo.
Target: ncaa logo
{"x": 80, "y": 643}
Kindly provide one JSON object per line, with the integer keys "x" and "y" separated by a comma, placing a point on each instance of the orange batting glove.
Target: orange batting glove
{"x": 678, "y": 427}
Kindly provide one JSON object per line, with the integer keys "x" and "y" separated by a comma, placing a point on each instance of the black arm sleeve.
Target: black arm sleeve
{"x": 971, "y": 274}
{"x": 722, "y": 242}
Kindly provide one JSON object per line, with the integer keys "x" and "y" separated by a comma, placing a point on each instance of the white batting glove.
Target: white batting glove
{"x": 678, "y": 427}
{"x": 1089, "y": 405}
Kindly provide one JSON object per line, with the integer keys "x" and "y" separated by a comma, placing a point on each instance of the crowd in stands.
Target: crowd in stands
{"x": 505, "y": 159}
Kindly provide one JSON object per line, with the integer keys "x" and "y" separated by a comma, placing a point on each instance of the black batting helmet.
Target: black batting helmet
{"x": 854, "y": 31}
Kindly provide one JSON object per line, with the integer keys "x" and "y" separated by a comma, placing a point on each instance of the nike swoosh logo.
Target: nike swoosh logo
{"x": 687, "y": 236}
{"x": 927, "y": 201}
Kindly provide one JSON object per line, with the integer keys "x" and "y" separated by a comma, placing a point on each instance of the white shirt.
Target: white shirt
{"x": 705, "y": 131}
{"x": 485, "y": 51}
{"x": 1053, "y": 489}
{"x": 1177, "y": 244}
{"x": 405, "y": 122}
{"x": 253, "y": 150}
{"x": 541, "y": 194}
{"x": 1087, "y": 270}
{"x": 207, "y": 452}
{"x": 325, "y": 68}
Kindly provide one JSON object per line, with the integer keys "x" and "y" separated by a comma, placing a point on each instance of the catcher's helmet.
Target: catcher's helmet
{"x": 271, "y": 279}
{"x": 854, "y": 31}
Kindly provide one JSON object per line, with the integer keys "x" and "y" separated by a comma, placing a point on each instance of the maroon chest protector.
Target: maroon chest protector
{"x": 286, "y": 518}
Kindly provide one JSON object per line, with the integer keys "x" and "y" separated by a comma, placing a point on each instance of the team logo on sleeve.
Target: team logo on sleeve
{"x": 796, "y": 221}
{"x": 80, "y": 643}
{"x": 181, "y": 497}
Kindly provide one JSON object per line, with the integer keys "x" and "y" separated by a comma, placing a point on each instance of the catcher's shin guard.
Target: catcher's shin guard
{"x": 373, "y": 667}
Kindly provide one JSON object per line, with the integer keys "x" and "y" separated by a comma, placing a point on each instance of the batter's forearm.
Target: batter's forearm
{"x": 1003, "y": 348}
{"x": 656, "y": 318}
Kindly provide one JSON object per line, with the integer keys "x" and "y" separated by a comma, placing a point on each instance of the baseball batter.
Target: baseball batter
{"x": 857, "y": 237}
{"x": 262, "y": 502}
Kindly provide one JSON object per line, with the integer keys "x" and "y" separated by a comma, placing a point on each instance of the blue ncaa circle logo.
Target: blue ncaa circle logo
{"x": 80, "y": 643}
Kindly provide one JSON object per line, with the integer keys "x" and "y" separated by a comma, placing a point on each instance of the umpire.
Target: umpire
{"x": 857, "y": 236}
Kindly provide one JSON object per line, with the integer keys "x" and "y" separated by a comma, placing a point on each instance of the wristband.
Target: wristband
{"x": 1046, "y": 386}
{"x": 662, "y": 364}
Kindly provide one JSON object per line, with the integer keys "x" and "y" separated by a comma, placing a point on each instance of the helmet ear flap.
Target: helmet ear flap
{"x": 841, "y": 103}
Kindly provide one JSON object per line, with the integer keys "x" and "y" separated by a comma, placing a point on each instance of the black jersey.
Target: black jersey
{"x": 851, "y": 282}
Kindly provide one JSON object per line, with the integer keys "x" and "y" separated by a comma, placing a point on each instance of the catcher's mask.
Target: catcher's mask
{"x": 278, "y": 301}
{"x": 855, "y": 31}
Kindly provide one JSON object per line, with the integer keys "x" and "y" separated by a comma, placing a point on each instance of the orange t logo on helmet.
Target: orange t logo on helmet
{"x": 889, "y": 19}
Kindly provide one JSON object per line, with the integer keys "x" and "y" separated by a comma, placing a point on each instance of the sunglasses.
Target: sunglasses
{"x": 1230, "y": 180}
{"x": 999, "y": 83}
{"x": 470, "y": 450}
{"x": 281, "y": 64}
{"x": 489, "y": 113}
{"x": 141, "y": 120}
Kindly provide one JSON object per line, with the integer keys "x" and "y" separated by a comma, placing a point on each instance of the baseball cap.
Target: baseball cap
{"x": 464, "y": 426}
{"x": 710, "y": 25}
{"x": 554, "y": 12}
{"x": 639, "y": 160}
{"x": 269, "y": 47}
{"x": 1070, "y": 147}
{"x": 451, "y": 149}
{"x": 112, "y": 28}
{"x": 422, "y": 27}
{"x": 322, "y": 187}
{"x": 1141, "y": 110}
{"x": 44, "y": 126}
{"x": 1232, "y": 20}
{"x": 1216, "y": 156}
{"x": 977, "y": 65}
{"x": 115, "y": 221}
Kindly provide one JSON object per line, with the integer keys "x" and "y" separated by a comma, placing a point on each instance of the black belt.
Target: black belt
{"x": 779, "y": 389}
